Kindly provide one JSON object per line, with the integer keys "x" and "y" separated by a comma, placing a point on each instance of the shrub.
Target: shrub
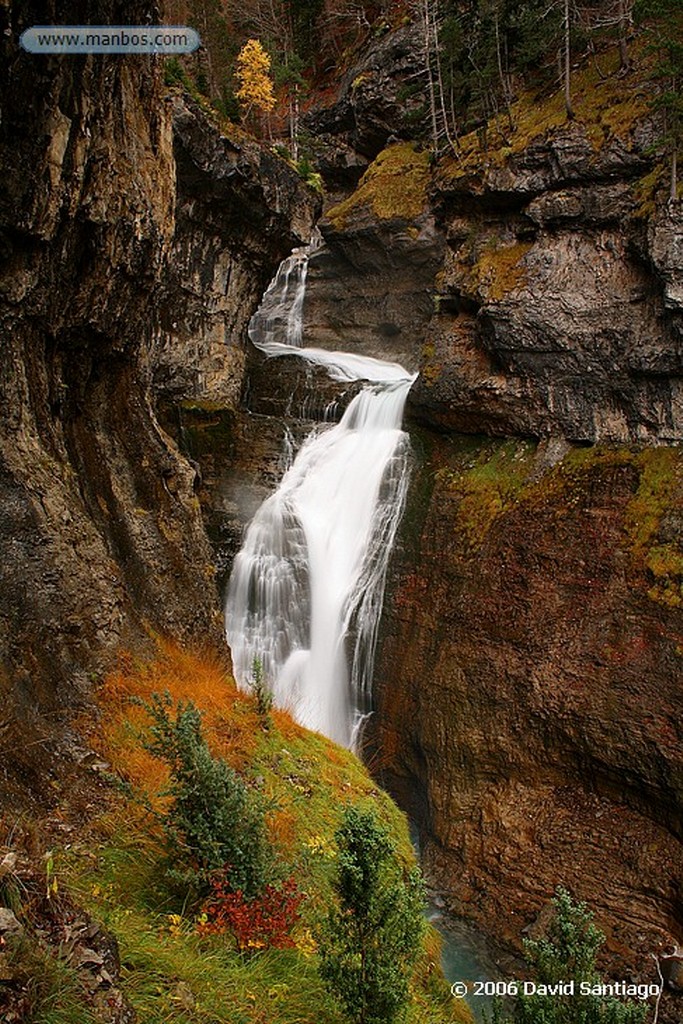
{"x": 568, "y": 953}
{"x": 264, "y": 697}
{"x": 265, "y": 920}
{"x": 215, "y": 821}
{"x": 372, "y": 938}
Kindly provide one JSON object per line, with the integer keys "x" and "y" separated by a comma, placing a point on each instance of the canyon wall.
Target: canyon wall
{"x": 527, "y": 686}
{"x": 528, "y": 683}
{"x": 135, "y": 241}
{"x": 528, "y": 704}
{"x": 560, "y": 305}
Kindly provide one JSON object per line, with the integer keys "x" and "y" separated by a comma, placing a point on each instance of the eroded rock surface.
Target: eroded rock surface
{"x": 370, "y": 285}
{"x": 383, "y": 96}
{"x": 559, "y": 298}
{"x": 103, "y": 262}
{"x": 239, "y": 211}
{"x": 528, "y": 684}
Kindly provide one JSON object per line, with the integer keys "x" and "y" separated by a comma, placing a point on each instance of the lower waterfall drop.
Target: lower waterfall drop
{"x": 306, "y": 590}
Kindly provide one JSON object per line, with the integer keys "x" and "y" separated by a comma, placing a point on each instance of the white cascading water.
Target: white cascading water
{"x": 306, "y": 590}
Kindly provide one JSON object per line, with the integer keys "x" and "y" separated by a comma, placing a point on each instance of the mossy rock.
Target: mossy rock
{"x": 607, "y": 105}
{"x": 394, "y": 187}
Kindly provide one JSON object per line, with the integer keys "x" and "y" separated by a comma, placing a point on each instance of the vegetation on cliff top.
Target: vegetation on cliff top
{"x": 607, "y": 105}
{"x": 491, "y": 77}
{"x": 175, "y": 966}
{"x": 487, "y": 478}
{"x": 393, "y": 187}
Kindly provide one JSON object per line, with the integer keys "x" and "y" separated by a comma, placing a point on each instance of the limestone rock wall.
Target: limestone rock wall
{"x": 101, "y": 536}
{"x": 528, "y": 683}
{"x": 559, "y": 299}
{"x": 528, "y": 699}
{"x": 239, "y": 211}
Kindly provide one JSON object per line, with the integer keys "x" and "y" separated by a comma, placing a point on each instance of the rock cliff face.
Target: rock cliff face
{"x": 100, "y": 530}
{"x": 554, "y": 273}
{"x": 528, "y": 683}
{"x": 560, "y": 306}
{"x": 239, "y": 211}
{"x": 370, "y": 284}
{"x": 383, "y": 95}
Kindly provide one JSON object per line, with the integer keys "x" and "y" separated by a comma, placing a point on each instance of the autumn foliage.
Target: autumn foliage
{"x": 265, "y": 920}
{"x": 253, "y": 73}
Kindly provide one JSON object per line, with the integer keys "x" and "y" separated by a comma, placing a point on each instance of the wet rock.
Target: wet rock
{"x": 672, "y": 970}
{"x": 294, "y": 389}
{"x": 370, "y": 288}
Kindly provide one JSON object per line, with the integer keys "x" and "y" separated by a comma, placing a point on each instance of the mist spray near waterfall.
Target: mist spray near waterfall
{"x": 306, "y": 591}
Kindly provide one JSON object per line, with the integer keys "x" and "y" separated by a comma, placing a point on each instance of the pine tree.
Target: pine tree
{"x": 373, "y": 935}
{"x": 568, "y": 953}
{"x": 664, "y": 21}
{"x": 215, "y": 821}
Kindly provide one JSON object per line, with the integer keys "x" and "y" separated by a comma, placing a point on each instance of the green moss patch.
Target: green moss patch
{"x": 659, "y": 494}
{"x": 488, "y": 478}
{"x": 490, "y": 269}
{"x": 393, "y": 187}
{"x": 485, "y": 486}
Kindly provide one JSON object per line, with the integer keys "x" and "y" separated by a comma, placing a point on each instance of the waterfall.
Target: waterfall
{"x": 279, "y": 319}
{"x": 306, "y": 590}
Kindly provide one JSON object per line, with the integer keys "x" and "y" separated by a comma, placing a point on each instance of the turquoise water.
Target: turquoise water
{"x": 465, "y": 956}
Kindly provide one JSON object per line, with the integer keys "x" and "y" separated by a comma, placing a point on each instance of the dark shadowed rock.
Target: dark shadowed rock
{"x": 382, "y": 95}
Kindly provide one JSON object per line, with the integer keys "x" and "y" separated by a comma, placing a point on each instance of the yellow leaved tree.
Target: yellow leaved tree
{"x": 253, "y": 74}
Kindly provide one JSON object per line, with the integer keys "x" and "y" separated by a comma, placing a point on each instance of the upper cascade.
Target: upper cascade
{"x": 306, "y": 590}
{"x": 279, "y": 318}
{"x": 277, "y": 326}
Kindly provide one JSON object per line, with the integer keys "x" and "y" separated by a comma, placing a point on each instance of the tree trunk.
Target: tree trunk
{"x": 294, "y": 121}
{"x": 674, "y": 174}
{"x": 430, "y": 79}
{"x": 501, "y": 75}
{"x": 439, "y": 83}
{"x": 624, "y": 19}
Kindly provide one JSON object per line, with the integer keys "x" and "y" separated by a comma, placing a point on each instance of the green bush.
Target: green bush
{"x": 263, "y": 695}
{"x": 568, "y": 953}
{"x": 372, "y": 937}
{"x": 307, "y": 172}
{"x": 215, "y": 821}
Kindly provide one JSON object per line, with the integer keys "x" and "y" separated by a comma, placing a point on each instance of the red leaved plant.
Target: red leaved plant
{"x": 264, "y": 920}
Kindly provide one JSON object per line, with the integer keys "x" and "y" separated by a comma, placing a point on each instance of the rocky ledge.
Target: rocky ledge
{"x": 559, "y": 309}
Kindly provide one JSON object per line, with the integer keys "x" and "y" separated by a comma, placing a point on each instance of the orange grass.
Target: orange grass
{"x": 230, "y": 720}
